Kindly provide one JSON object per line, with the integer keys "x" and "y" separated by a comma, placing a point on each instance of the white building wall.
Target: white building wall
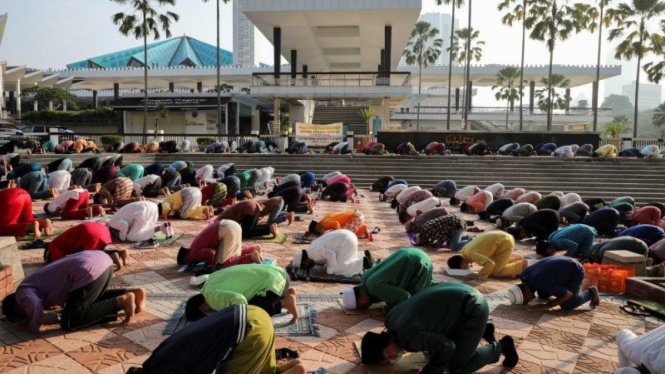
{"x": 614, "y": 86}
{"x": 243, "y": 37}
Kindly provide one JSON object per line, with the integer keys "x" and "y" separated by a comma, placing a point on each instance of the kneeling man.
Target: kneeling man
{"x": 494, "y": 252}
{"x": 338, "y": 250}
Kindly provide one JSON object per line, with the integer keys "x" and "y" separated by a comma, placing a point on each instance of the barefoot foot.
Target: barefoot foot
{"x": 127, "y": 303}
{"x": 140, "y": 297}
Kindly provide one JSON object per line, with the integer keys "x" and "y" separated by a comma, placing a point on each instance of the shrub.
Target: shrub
{"x": 111, "y": 139}
{"x": 206, "y": 140}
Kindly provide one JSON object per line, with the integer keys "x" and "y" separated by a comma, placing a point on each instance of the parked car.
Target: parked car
{"x": 41, "y": 132}
{"x": 9, "y": 132}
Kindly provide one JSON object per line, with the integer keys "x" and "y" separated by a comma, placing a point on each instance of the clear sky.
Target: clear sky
{"x": 52, "y": 33}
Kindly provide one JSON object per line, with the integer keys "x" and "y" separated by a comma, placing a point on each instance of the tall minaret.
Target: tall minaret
{"x": 243, "y": 37}
{"x": 3, "y": 22}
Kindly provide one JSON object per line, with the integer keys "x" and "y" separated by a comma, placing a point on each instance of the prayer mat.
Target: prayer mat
{"x": 31, "y": 236}
{"x": 654, "y": 307}
{"x": 305, "y": 324}
{"x": 410, "y": 361}
{"x": 280, "y": 239}
{"x": 318, "y": 274}
{"x": 160, "y": 240}
{"x": 45, "y": 216}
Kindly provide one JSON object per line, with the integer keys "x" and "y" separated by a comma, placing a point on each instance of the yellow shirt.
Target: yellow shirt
{"x": 487, "y": 249}
{"x": 172, "y": 203}
{"x": 256, "y": 353}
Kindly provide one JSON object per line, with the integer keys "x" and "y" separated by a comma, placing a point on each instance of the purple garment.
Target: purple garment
{"x": 105, "y": 174}
{"x": 52, "y": 284}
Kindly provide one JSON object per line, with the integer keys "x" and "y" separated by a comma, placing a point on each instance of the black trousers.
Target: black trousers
{"x": 250, "y": 229}
{"x": 91, "y": 304}
{"x": 271, "y": 302}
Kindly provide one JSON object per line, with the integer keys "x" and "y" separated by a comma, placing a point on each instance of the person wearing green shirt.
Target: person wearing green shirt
{"x": 266, "y": 286}
{"x": 131, "y": 171}
{"x": 393, "y": 280}
{"x": 447, "y": 321}
{"x": 550, "y": 201}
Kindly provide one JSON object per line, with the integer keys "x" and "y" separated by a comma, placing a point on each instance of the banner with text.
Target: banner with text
{"x": 319, "y": 135}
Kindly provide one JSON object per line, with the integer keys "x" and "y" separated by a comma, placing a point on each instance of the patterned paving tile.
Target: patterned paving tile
{"x": 605, "y": 350}
{"x": 61, "y": 364}
{"x": 149, "y": 336}
{"x": 25, "y": 353}
{"x": 547, "y": 356}
{"x": 106, "y": 353}
{"x": 564, "y": 340}
{"x": 341, "y": 346}
{"x": 338, "y": 320}
{"x": 591, "y": 364}
{"x": 77, "y": 339}
{"x": 315, "y": 359}
{"x": 564, "y": 324}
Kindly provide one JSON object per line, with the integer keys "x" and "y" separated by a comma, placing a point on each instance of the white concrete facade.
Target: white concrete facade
{"x": 650, "y": 95}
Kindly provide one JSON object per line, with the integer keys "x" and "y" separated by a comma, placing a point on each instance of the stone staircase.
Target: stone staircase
{"x": 642, "y": 179}
{"x": 346, "y": 114}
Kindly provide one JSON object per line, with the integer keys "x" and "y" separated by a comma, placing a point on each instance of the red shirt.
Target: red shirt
{"x": 646, "y": 215}
{"x": 84, "y": 236}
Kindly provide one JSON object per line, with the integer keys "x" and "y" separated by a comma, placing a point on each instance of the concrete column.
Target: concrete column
{"x": 532, "y": 95}
{"x": 382, "y": 66}
{"x": 50, "y": 105}
{"x": 294, "y": 66}
{"x": 64, "y": 106}
{"x": 457, "y": 95}
{"x": 10, "y": 103}
{"x": 276, "y": 111}
{"x": 116, "y": 91}
{"x": 35, "y": 106}
{"x": 171, "y": 86}
{"x": 388, "y": 40}
{"x": 18, "y": 99}
{"x": 567, "y": 99}
{"x": 277, "y": 53}
{"x": 199, "y": 87}
{"x": 94, "y": 99}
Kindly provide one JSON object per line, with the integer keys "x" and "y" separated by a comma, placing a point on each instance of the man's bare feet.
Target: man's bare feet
{"x": 289, "y": 303}
{"x": 649, "y": 262}
{"x": 256, "y": 257}
{"x": 248, "y": 195}
{"x": 115, "y": 257}
{"x": 48, "y": 227}
{"x": 290, "y": 216}
{"x": 310, "y": 208}
{"x": 34, "y": 228}
{"x": 124, "y": 256}
{"x": 273, "y": 230}
{"x": 140, "y": 299}
{"x": 595, "y": 301}
{"x": 127, "y": 303}
{"x": 99, "y": 211}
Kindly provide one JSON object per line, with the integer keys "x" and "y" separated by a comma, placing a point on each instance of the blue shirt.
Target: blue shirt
{"x": 647, "y": 233}
{"x": 553, "y": 276}
{"x": 572, "y": 238}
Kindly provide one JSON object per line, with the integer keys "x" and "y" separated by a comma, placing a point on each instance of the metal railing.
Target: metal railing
{"x": 331, "y": 79}
{"x": 603, "y": 112}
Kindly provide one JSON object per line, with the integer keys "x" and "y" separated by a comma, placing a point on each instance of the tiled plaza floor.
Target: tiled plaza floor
{"x": 580, "y": 341}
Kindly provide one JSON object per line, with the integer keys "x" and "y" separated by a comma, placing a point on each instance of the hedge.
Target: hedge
{"x": 112, "y": 139}
{"x": 206, "y": 140}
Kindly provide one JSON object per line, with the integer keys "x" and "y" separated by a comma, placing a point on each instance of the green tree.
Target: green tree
{"x": 505, "y": 84}
{"x": 551, "y": 21}
{"x": 619, "y": 125}
{"x": 619, "y": 104}
{"x": 57, "y": 95}
{"x": 465, "y": 46}
{"x": 633, "y": 20}
{"x": 143, "y": 19}
{"x": 658, "y": 118}
{"x": 517, "y": 14}
{"x": 217, "y": 65}
{"x": 455, "y": 4}
{"x": 366, "y": 114}
{"x": 550, "y": 93}
{"x": 583, "y": 104}
{"x": 422, "y": 50}
{"x": 161, "y": 113}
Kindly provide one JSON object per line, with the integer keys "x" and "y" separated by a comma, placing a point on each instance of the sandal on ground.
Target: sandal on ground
{"x": 298, "y": 219}
{"x": 34, "y": 244}
{"x": 281, "y": 353}
{"x": 302, "y": 241}
{"x": 636, "y": 310}
{"x": 376, "y": 230}
{"x": 150, "y": 243}
{"x": 469, "y": 223}
{"x": 475, "y": 229}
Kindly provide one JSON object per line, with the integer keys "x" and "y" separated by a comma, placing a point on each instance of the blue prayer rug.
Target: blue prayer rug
{"x": 305, "y": 325}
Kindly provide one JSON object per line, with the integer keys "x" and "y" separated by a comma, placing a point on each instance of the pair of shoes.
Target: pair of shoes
{"x": 150, "y": 243}
{"x": 475, "y": 229}
{"x": 368, "y": 262}
{"x": 204, "y": 270}
{"x": 198, "y": 280}
{"x": 376, "y": 230}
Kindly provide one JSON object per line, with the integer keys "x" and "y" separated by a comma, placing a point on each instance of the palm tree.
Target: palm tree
{"x": 455, "y": 4}
{"x": 423, "y": 50}
{"x": 549, "y": 94}
{"x": 633, "y": 19}
{"x": 505, "y": 83}
{"x": 598, "y": 19}
{"x": 142, "y": 21}
{"x": 219, "y": 94}
{"x": 463, "y": 54}
{"x": 658, "y": 118}
{"x": 552, "y": 20}
{"x": 518, "y": 13}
